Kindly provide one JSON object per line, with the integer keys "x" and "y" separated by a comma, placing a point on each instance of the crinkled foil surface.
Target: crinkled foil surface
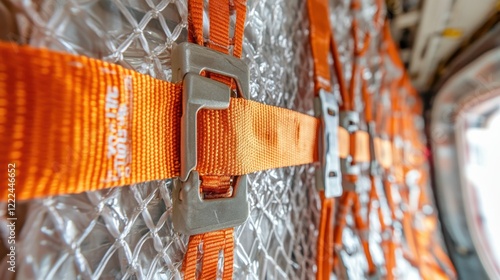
{"x": 127, "y": 232}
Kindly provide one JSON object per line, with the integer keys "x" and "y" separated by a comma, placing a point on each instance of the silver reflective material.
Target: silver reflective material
{"x": 328, "y": 175}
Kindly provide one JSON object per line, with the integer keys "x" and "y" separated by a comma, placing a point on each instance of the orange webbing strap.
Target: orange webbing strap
{"x": 387, "y": 242}
{"x": 363, "y": 228}
{"x": 360, "y": 222}
{"x": 390, "y": 46}
{"x": 320, "y": 34}
{"x": 211, "y": 244}
{"x": 339, "y": 72}
{"x": 324, "y": 258}
{"x": 349, "y": 202}
{"x": 73, "y": 124}
{"x": 219, "y": 187}
{"x": 345, "y": 203}
{"x": 359, "y": 149}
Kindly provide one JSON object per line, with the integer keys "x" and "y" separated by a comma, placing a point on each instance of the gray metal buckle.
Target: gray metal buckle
{"x": 350, "y": 121}
{"x": 329, "y": 174}
{"x": 374, "y": 165}
{"x": 191, "y": 213}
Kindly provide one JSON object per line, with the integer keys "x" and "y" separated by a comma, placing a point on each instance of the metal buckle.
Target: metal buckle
{"x": 191, "y": 213}
{"x": 374, "y": 165}
{"x": 329, "y": 174}
{"x": 350, "y": 121}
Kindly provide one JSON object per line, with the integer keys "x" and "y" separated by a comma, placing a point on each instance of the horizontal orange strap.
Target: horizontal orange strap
{"x": 73, "y": 124}
{"x": 383, "y": 152}
{"x": 343, "y": 142}
{"x": 361, "y": 146}
{"x": 320, "y": 42}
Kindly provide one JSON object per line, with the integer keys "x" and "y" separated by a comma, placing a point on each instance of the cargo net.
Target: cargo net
{"x": 127, "y": 232}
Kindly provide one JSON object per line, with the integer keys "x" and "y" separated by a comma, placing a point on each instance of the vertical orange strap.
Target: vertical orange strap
{"x": 367, "y": 97}
{"x": 240, "y": 8}
{"x": 324, "y": 259}
{"x": 210, "y": 244}
{"x": 195, "y": 19}
{"x": 359, "y": 141}
{"x": 390, "y": 46}
{"x": 339, "y": 70}
{"x": 388, "y": 244}
{"x": 357, "y": 53}
{"x": 390, "y": 256}
{"x": 215, "y": 186}
{"x": 363, "y": 229}
{"x": 345, "y": 204}
{"x": 219, "y": 25}
{"x": 320, "y": 44}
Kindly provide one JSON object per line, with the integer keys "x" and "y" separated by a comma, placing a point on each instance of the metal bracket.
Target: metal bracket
{"x": 329, "y": 174}
{"x": 350, "y": 121}
{"x": 192, "y": 213}
{"x": 374, "y": 165}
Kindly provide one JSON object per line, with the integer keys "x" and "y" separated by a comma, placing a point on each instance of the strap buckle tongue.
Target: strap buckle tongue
{"x": 191, "y": 213}
{"x": 329, "y": 174}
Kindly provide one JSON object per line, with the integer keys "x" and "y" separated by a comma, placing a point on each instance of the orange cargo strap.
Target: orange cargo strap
{"x": 322, "y": 39}
{"x": 73, "y": 124}
{"x": 359, "y": 148}
{"x": 320, "y": 34}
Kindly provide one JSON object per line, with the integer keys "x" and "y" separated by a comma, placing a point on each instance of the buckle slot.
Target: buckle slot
{"x": 329, "y": 174}
{"x": 191, "y": 213}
